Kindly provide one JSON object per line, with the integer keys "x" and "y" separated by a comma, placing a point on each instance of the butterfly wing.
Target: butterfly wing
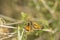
{"x": 36, "y": 26}
{"x": 28, "y": 28}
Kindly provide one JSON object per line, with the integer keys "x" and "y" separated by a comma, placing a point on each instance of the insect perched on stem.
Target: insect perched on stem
{"x": 32, "y": 26}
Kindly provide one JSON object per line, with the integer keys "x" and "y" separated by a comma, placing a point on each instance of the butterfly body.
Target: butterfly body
{"x": 28, "y": 27}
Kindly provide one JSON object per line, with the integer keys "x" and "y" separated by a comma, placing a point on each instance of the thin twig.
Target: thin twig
{"x": 7, "y": 33}
{"x": 50, "y": 30}
{"x": 7, "y": 18}
{"x": 19, "y": 36}
{"x": 55, "y": 5}
{"x": 17, "y": 22}
{"x": 47, "y": 7}
{"x": 11, "y": 19}
{"x": 12, "y": 34}
{"x": 8, "y": 26}
{"x": 22, "y": 34}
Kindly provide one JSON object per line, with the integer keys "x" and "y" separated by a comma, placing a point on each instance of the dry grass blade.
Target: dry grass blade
{"x": 7, "y": 26}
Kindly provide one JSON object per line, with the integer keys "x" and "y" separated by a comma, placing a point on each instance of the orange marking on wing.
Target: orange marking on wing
{"x": 36, "y": 26}
{"x": 28, "y": 28}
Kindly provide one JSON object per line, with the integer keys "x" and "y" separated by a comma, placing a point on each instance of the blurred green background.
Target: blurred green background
{"x": 46, "y": 11}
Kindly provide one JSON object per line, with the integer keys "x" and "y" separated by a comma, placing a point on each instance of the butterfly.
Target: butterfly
{"x": 32, "y": 26}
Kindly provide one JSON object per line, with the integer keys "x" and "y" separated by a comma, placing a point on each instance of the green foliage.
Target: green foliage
{"x": 37, "y": 9}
